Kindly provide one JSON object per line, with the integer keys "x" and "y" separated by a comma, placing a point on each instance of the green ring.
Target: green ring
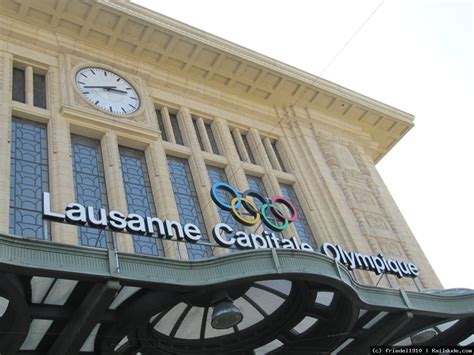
{"x": 268, "y": 222}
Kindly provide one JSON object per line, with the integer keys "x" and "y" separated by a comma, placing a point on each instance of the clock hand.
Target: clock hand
{"x": 99, "y": 87}
{"x": 117, "y": 90}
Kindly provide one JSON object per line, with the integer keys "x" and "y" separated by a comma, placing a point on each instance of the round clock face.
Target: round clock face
{"x": 107, "y": 91}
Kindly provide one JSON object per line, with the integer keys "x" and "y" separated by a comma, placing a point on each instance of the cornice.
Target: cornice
{"x": 254, "y": 57}
{"x": 209, "y": 68}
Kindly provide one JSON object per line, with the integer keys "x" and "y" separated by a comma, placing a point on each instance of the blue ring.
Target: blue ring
{"x": 230, "y": 189}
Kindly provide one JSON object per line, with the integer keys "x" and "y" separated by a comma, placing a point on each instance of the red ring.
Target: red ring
{"x": 281, "y": 199}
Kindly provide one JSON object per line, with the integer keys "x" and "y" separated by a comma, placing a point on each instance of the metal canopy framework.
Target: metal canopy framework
{"x": 60, "y": 299}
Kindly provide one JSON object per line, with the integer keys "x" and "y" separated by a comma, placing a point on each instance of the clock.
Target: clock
{"x": 107, "y": 91}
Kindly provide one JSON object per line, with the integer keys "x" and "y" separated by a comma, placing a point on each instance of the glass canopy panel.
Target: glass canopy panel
{"x": 374, "y": 320}
{"x": 60, "y": 292}
{"x": 275, "y": 344}
{"x": 324, "y": 298}
{"x": 40, "y": 287}
{"x": 123, "y": 295}
{"x": 306, "y": 323}
{"x": 468, "y": 341}
{"x": 283, "y": 286}
{"x": 191, "y": 326}
{"x": 445, "y": 326}
{"x": 342, "y": 346}
{"x": 89, "y": 343}
{"x": 38, "y": 328}
{"x": 269, "y": 302}
{"x": 251, "y": 315}
{"x": 3, "y": 305}
{"x": 166, "y": 324}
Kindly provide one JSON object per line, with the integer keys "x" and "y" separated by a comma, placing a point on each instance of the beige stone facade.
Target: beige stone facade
{"x": 329, "y": 137}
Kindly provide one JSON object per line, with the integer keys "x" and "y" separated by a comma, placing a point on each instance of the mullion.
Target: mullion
{"x": 180, "y": 320}
{"x": 255, "y": 305}
{"x": 270, "y": 290}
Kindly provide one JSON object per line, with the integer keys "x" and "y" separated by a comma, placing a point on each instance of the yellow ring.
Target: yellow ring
{"x": 239, "y": 217}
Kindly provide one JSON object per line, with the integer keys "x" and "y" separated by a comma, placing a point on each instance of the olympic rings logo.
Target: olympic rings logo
{"x": 270, "y": 212}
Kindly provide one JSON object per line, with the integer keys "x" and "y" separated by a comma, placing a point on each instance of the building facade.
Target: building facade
{"x": 111, "y": 106}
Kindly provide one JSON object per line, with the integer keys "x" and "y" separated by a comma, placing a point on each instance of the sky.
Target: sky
{"x": 413, "y": 55}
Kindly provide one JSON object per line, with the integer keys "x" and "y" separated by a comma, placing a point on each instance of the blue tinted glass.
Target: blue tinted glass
{"x": 216, "y": 175}
{"x": 177, "y": 132}
{"x": 89, "y": 182}
{"x": 162, "y": 125}
{"x": 198, "y": 135}
{"x": 247, "y": 147}
{"x": 139, "y": 196}
{"x": 212, "y": 140}
{"x": 256, "y": 184}
{"x": 28, "y": 179}
{"x": 188, "y": 204}
{"x": 301, "y": 224}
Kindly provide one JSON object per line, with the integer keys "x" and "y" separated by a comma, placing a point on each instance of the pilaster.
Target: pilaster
{"x": 199, "y": 173}
{"x": 115, "y": 187}
{"x": 6, "y": 61}
{"x": 61, "y": 178}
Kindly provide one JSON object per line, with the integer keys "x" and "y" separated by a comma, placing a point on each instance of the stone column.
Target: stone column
{"x": 6, "y": 63}
{"x": 240, "y": 145}
{"x": 271, "y": 154}
{"x": 165, "y": 116}
{"x": 234, "y": 170}
{"x": 163, "y": 195}
{"x": 203, "y": 133}
{"x": 115, "y": 186}
{"x": 61, "y": 177}
{"x": 271, "y": 182}
{"x": 199, "y": 173}
{"x": 29, "y": 95}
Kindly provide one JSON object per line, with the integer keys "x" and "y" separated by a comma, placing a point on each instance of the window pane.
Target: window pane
{"x": 176, "y": 131}
{"x": 28, "y": 179}
{"x": 210, "y": 135}
{"x": 139, "y": 196}
{"x": 218, "y": 175}
{"x": 18, "y": 90}
{"x": 301, "y": 224}
{"x": 236, "y": 147}
{"x": 256, "y": 184}
{"x": 196, "y": 129}
{"x": 162, "y": 125}
{"x": 275, "y": 149}
{"x": 247, "y": 147}
{"x": 39, "y": 90}
{"x": 89, "y": 182}
{"x": 188, "y": 205}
